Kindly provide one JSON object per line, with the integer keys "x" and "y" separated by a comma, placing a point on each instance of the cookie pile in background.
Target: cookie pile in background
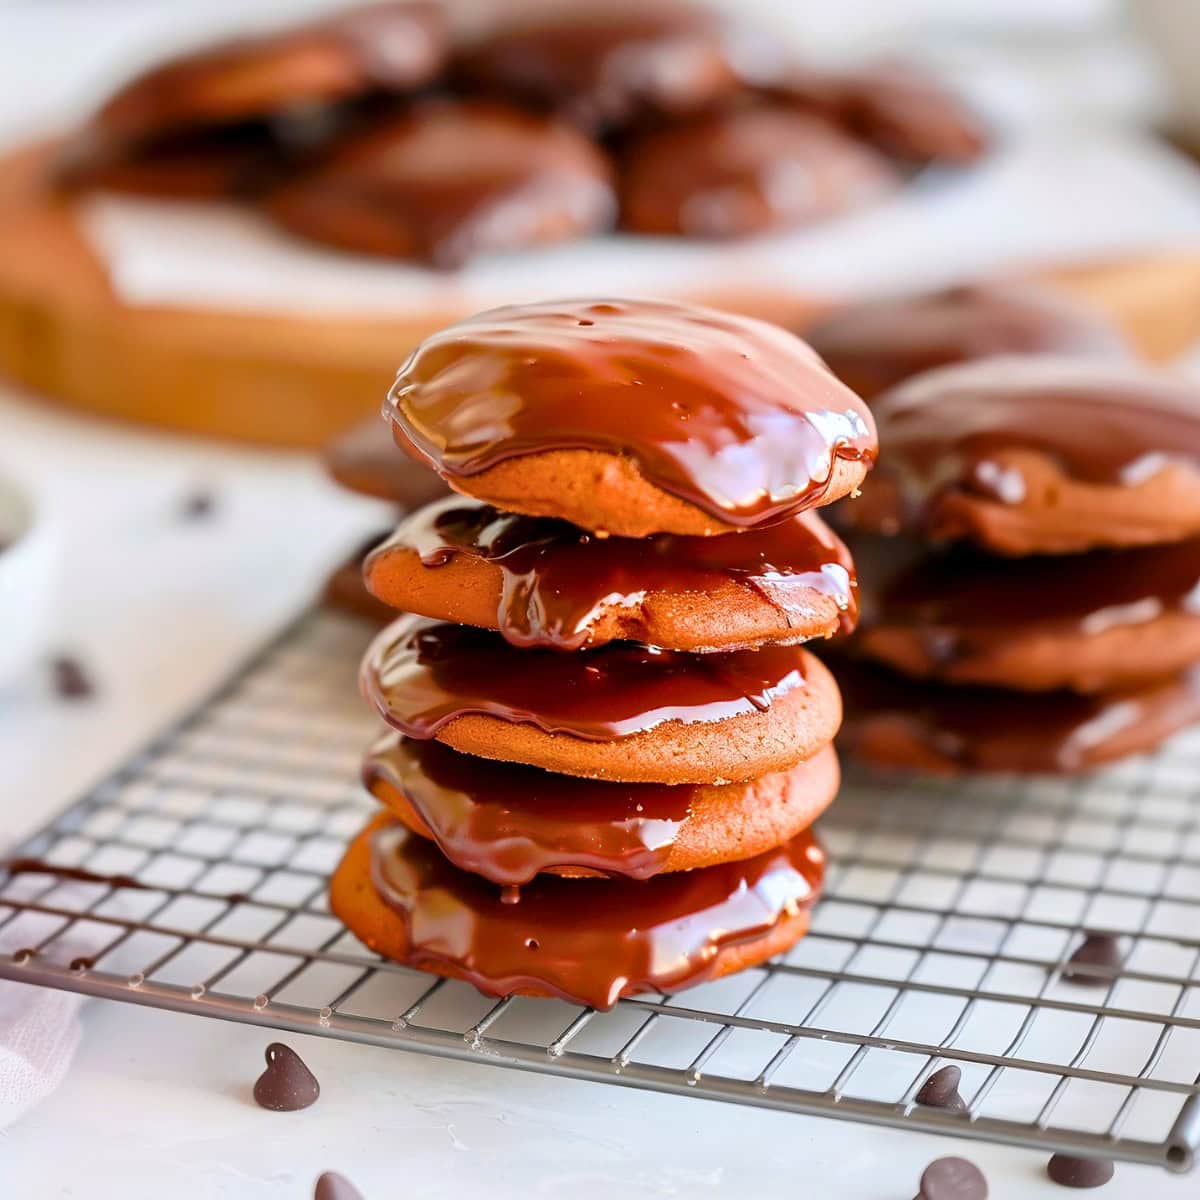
{"x": 1031, "y": 570}
{"x": 389, "y": 130}
{"x": 607, "y": 743}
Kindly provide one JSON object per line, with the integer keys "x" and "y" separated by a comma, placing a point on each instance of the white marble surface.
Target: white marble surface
{"x": 158, "y": 1104}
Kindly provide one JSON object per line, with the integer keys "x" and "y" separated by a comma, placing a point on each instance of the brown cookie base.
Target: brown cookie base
{"x": 723, "y": 823}
{"x": 607, "y": 493}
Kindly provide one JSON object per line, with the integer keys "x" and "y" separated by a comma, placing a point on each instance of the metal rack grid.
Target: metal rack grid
{"x": 949, "y": 913}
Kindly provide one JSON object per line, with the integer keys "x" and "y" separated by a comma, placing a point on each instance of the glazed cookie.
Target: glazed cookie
{"x": 542, "y": 582}
{"x": 878, "y": 344}
{"x": 604, "y": 64}
{"x": 893, "y": 722}
{"x": 1108, "y": 619}
{"x": 451, "y": 179}
{"x": 632, "y": 417}
{"x": 626, "y": 712}
{"x": 894, "y": 106}
{"x": 1039, "y": 455}
{"x": 744, "y": 171}
{"x": 391, "y": 46}
{"x": 366, "y": 459}
{"x": 589, "y": 942}
{"x": 510, "y": 823}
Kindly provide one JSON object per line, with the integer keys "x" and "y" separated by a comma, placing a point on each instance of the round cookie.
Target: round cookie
{"x": 542, "y": 582}
{"x": 632, "y": 417}
{"x": 893, "y": 106}
{"x": 366, "y": 459}
{"x": 1039, "y": 455}
{"x": 448, "y": 180}
{"x": 586, "y": 941}
{"x": 510, "y": 823}
{"x": 626, "y": 712}
{"x": 895, "y": 722}
{"x": 876, "y": 345}
{"x": 1107, "y": 619}
{"x": 605, "y": 64}
{"x": 392, "y": 46}
{"x": 745, "y": 171}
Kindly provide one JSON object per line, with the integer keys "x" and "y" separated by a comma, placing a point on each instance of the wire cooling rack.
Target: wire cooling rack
{"x": 949, "y": 914}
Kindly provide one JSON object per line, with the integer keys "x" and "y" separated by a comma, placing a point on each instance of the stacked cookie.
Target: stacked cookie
{"x": 1035, "y": 596}
{"x": 607, "y": 742}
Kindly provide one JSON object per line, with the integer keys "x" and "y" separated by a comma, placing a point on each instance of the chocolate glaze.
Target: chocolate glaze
{"x": 35, "y": 866}
{"x": 422, "y": 674}
{"x": 558, "y": 578}
{"x": 1099, "y": 422}
{"x": 878, "y": 344}
{"x": 733, "y": 415}
{"x": 961, "y": 601}
{"x": 590, "y": 941}
{"x": 992, "y": 729}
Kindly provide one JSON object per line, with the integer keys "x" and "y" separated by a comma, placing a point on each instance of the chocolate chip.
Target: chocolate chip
{"x": 71, "y": 680}
{"x": 1096, "y": 950}
{"x": 287, "y": 1084}
{"x": 332, "y": 1186}
{"x": 940, "y": 1090}
{"x": 198, "y": 505}
{"x": 1079, "y": 1172}
{"x": 952, "y": 1179}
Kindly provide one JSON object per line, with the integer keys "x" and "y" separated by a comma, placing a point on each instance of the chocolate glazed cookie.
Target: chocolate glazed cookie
{"x": 682, "y": 419}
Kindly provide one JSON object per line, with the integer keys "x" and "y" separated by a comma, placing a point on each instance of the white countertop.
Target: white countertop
{"x": 159, "y": 1104}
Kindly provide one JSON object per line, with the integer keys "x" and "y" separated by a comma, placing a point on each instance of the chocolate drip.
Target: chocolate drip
{"x": 962, "y": 601}
{"x": 592, "y": 941}
{"x": 35, "y": 866}
{"x": 508, "y": 822}
{"x": 558, "y": 578}
{"x": 1099, "y": 422}
{"x": 733, "y": 415}
{"x": 421, "y": 674}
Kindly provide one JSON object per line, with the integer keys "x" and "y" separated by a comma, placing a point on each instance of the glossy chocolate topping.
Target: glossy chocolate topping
{"x": 422, "y": 674}
{"x": 449, "y": 179}
{"x": 601, "y": 64}
{"x": 508, "y": 823}
{"x": 892, "y": 720}
{"x": 878, "y": 344}
{"x": 588, "y": 941}
{"x": 1101, "y": 423}
{"x": 35, "y": 866}
{"x": 734, "y": 415}
{"x": 557, "y": 578}
{"x": 736, "y": 173}
{"x": 961, "y": 600}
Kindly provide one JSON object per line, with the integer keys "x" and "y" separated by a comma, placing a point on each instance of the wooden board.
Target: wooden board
{"x": 295, "y": 380}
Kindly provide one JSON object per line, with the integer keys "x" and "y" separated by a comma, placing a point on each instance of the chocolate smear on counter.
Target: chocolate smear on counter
{"x": 287, "y": 1085}
{"x": 952, "y": 1179}
{"x": 332, "y": 1186}
{"x": 1101, "y": 950}
{"x": 1073, "y": 1172}
{"x": 940, "y": 1090}
{"x": 71, "y": 680}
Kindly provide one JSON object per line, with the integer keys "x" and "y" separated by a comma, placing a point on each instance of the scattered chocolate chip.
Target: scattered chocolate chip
{"x": 71, "y": 680}
{"x": 952, "y": 1179}
{"x": 332, "y": 1186}
{"x": 940, "y": 1090}
{"x": 1079, "y": 1172}
{"x": 198, "y": 505}
{"x": 287, "y": 1084}
{"x": 1096, "y": 950}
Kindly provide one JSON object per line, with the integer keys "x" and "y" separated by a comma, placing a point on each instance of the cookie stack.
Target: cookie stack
{"x": 1035, "y": 595}
{"x": 607, "y": 744}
